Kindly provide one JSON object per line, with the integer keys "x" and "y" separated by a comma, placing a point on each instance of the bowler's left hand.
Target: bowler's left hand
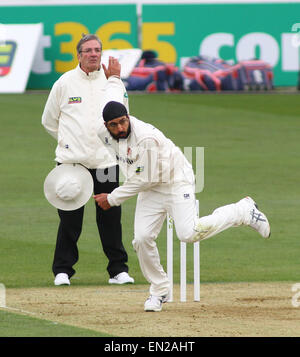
{"x": 102, "y": 201}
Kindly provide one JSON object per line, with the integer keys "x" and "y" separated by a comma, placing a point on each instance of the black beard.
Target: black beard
{"x": 116, "y": 137}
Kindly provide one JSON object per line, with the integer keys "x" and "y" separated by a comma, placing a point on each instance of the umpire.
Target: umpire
{"x": 72, "y": 115}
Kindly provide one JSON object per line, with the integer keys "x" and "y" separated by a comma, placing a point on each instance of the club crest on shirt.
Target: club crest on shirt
{"x": 106, "y": 141}
{"x": 186, "y": 196}
{"x": 73, "y": 100}
{"x": 139, "y": 169}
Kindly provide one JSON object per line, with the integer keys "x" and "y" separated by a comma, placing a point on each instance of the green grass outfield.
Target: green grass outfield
{"x": 251, "y": 146}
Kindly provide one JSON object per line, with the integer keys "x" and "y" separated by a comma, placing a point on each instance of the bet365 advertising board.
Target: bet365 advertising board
{"x": 63, "y": 27}
{"x": 233, "y": 32}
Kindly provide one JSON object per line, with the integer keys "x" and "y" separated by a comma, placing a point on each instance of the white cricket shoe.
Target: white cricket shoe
{"x": 122, "y": 278}
{"x": 62, "y": 279}
{"x": 154, "y": 303}
{"x": 255, "y": 218}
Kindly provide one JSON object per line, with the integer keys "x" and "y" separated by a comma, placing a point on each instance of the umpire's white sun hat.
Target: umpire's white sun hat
{"x": 68, "y": 186}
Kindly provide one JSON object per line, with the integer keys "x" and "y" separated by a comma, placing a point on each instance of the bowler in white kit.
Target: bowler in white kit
{"x": 158, "y": 172}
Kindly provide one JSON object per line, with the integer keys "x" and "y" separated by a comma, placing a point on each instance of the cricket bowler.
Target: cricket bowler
{"x": 158, "y": 172}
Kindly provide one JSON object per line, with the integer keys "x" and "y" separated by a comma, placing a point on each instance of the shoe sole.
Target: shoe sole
{"x": 256, "y": 205}
{"x": 116, "y": 283}
{"x": 153, "y": 310}
{"x": 66, "y": 284}
{"x": 267, "y": 222}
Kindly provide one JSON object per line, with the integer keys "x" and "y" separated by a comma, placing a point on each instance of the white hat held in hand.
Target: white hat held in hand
{"x": 68, "y": 186}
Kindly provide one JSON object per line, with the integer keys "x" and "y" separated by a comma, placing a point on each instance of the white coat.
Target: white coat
{"x": 73, "y": 116}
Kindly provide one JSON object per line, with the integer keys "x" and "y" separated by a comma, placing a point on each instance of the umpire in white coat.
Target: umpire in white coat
{"x": 159, "y": 173}
{"x": 72, "y": 116}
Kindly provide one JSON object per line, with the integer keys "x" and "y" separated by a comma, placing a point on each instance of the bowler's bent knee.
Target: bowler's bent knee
{"x": 187, "y": 236}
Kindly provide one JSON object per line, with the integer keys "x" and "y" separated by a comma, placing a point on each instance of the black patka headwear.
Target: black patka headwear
{"x": 113, "y": 110}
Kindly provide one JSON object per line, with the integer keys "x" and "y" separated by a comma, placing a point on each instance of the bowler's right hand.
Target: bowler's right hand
{"x": 102, "y": 201}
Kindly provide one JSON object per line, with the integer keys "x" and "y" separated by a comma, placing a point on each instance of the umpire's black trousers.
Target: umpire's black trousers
{"x": 109, "y": 227}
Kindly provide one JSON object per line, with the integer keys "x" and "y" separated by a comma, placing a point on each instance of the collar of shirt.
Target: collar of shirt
{"x": 91, "y": 75}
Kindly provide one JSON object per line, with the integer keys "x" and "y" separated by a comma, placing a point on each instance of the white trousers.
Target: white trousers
{"x": 151, "y": 211}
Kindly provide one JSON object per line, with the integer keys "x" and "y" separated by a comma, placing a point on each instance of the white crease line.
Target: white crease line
{"x": 15, "y": 309}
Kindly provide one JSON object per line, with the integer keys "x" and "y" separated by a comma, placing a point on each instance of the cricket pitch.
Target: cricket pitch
{"x": 224, "y": 310}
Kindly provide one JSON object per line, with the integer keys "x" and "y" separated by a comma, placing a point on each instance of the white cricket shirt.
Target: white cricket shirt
{"x": 148, "y": 160}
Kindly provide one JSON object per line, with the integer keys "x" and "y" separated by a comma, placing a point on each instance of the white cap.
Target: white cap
{"x": 68, "y": 186}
